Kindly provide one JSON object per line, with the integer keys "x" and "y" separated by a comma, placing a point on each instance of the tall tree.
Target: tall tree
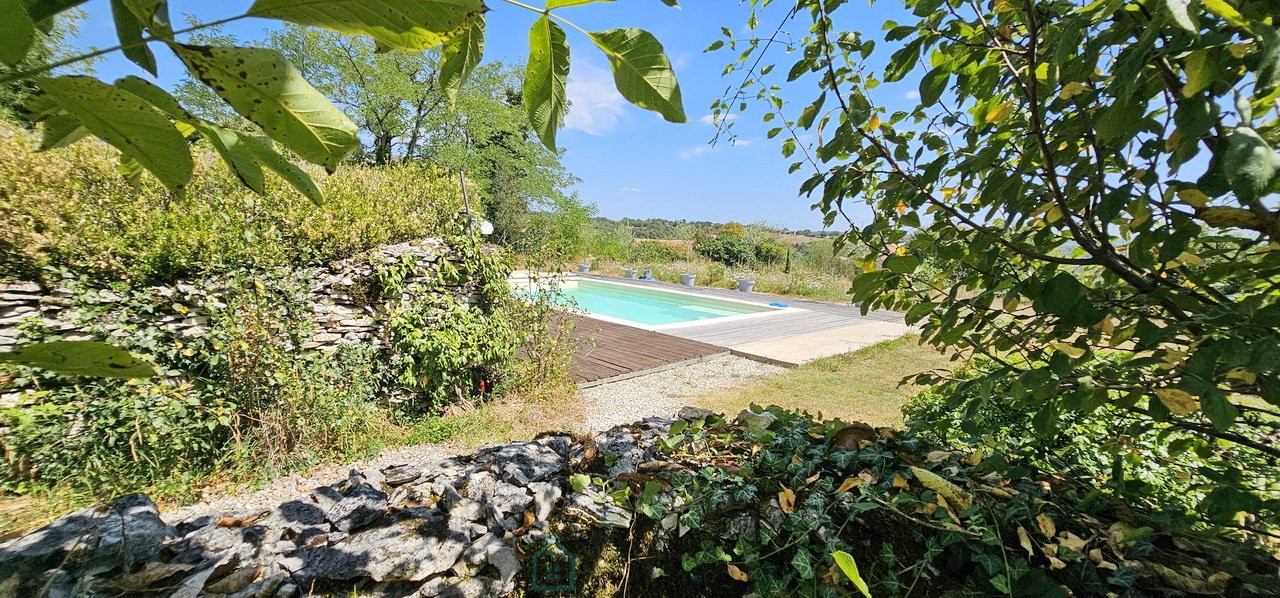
{"x": 388, "y": 94}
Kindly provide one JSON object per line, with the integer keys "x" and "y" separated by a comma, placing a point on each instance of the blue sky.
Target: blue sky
{"x": 630, "y": 161}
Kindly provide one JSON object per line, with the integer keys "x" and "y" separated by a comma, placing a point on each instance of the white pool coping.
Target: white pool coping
{"x": 771, "y": 310}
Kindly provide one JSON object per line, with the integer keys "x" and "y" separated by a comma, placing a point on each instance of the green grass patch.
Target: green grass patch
{"x": 860, "y": 386}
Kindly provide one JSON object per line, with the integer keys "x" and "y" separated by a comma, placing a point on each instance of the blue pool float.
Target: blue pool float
{"x": 779, "y": 304}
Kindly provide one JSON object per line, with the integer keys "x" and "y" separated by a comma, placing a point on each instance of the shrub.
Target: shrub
{"x": 654, "y": 252}
{"x": 730, "y": 250}
{"x": 71, "y": 208}
{"x": 771, "y": 252}
{"x": 1168, "y": 469}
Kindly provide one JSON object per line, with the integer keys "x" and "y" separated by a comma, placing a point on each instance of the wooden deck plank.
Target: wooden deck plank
{"x": 613, "y": 351}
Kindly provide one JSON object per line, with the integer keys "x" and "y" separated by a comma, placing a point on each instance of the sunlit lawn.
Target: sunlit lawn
{"x": 859, "y": 386}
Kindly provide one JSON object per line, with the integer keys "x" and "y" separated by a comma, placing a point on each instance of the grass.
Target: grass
{"x": 858, "y": 386}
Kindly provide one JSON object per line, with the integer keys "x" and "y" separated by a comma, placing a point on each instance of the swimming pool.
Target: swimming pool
{"x": 654, "y": 308}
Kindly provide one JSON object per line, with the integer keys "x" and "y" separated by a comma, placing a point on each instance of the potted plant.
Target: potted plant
{"x": 687, "y": 279}
{"x": 746, "y": 285}
{"x": 584, "y": 267}
{"x": 631, "y": 273}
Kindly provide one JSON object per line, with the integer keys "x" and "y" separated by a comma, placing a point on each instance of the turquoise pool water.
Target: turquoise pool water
{"x": 652, "y": 307}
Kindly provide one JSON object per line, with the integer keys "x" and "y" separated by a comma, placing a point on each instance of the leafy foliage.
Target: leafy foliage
{"x": 69, "y": 209}
{"x": 1095, "y": 182}
{"x": 779, "y": 504}
{"x": 730, "y": 250}
{"x": 260, "y": 85}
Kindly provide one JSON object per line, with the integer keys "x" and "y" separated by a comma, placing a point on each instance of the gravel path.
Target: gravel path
{"x": 658, "y": 394}
{"x": 663, "y": 393}
{"x": 296, "y": 486}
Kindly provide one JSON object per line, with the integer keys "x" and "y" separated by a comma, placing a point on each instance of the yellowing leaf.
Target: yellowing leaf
{"x": 1024, "y": 540}
{"x": 947, "y": 192}
{"x": 901, "y": 482}
{"x": 1072, "y": 90}
{"x": 1226, "y": 11}
{"x": 874, "y": 123}
{"x": 787, "y": 500}
{"x": 736, "y": 573}
{"x": 1241, "y": 50}
{"x": 1072, "y": 541}
{"x": 1011, "y": 302}
{"x": 1199, "y": 73}
{"x": 999, "y": 113}
{"x": 1179, "y": 402}
{"x": 1046, "y": 526}
{"x": 813, "y": 478}
{"x": 935, "y": 456}
{"x": 1242, "y": 376}
{"x": 1005, "y": 6}
{"x": 902, "y": 206}
{"x": 1187, "y": 257}
{"x": 850, "y": 567}
{"x": 902, "y": 250}
{"x": 1194, "y": 197}
{"x": 944, "y": 488}
{"x": 1071, "y": 350}
{"x": 848, "y": 484}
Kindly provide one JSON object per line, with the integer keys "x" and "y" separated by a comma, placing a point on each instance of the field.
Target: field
{"x": 860, "y": 386}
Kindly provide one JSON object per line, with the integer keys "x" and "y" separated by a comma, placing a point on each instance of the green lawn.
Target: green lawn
{"x": 858, "y": 386}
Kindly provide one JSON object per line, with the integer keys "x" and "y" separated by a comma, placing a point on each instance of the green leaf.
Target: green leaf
{"x": 129, "y": 32}
{"x": 1200, "y": 70}
{"x": 403, "y": 24}
{"x": 1226, "y": 11}
{"x": 902, "y": 264}
{"x": 561, "y": 3}
{"x": 579, "y": 481}
{"x": 235, "y": 151}
{"x": 918, "y": 311}
{"x": 806, "y": 117}
{"x": 932, "y": 86}
{"x": 641, "y": 71}
{"x": 544, "y": 79}
{"x": 1268, "y": 75}
{"x": 671, "y": 3}
{"x": 266, "y": 155}
{"x": 128, "y": 123}
{"x": 156, "y": 96}
{"x": 17, "y": 32}
{"x": 460, "y": 55}
{"x": 803, "y": 563}
{"x": 847, "y": 565}
{"x": 1219, "y": 410}
{"x": 1250, "y": 164}
{"x": 61, "y": 130}
{"x": 263, "y": 87}
{"x": 80, "y": 358}
{"x": 1177, "y": 10}
{"x": 40, "y": 10}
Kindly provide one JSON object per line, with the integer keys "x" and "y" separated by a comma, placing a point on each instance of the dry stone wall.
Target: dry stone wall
{"x": 343, "y": 310}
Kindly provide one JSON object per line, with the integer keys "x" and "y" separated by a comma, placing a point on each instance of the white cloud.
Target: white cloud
{"x": 739, "y": 142}
{"x": 629, "y": 189}
{"x": 711, "y": 119}
{"x": 912, "y": 95}
{"x": 694, "y": 152}
{"x": 595, "y": 106}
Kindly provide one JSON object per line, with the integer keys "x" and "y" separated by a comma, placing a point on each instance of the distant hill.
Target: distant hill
{"x": 662, "y": 228}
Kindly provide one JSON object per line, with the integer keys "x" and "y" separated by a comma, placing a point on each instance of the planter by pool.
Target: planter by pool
{"x": 631, "y": 273}
{"x": 584, "y": 268}
{"x": 746, "y": 285}
{"x": 687, "y": 279}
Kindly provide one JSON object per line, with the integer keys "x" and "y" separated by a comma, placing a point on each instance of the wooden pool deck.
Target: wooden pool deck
{"x": 608, "y": 352}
